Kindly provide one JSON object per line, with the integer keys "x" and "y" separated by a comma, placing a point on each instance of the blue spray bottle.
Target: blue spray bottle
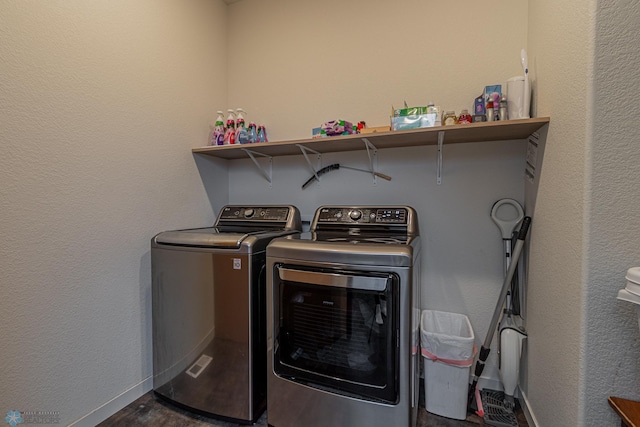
{"x": 253, "y": 133}
{"x": 262, "y": 134}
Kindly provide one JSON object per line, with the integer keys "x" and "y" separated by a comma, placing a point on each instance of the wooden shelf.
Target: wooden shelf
{"x": 473, "y": 132}
{"x": 628, "y": 410}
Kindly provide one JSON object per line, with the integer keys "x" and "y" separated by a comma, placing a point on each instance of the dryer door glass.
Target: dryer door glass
{"x": 338, "y": 330}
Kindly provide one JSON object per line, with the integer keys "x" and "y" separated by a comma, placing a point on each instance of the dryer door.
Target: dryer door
{"x": 338, "y": 331}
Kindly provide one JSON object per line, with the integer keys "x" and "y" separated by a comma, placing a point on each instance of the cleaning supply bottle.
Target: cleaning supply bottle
{"x": 503, "y": 109}
{"x": 218, "y": 130}
{"x": 490, "y": 116}
{"x": 211, "y": 140}
{"x": 253, "y": 134}
{"x": 262, "y": 134}
{"x": 230, "y": 131}
{"x": 239, "y": 118}
{"x": 449, "y": 118}
{"x": 242, "y": 136}
{"x": 465, "y": 117}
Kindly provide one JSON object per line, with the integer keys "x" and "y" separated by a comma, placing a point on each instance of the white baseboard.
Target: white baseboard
{"x": 104, "y": 411}
{"x": 528, "y": 414}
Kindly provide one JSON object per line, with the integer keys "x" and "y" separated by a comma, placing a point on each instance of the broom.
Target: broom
{"x": 474, "y": 394}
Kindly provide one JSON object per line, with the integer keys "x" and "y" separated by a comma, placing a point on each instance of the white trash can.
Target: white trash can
{"x": 448, "y": 351}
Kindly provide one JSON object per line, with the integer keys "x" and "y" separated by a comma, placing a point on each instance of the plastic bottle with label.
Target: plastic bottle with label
{"x": 490, "y": 116}
{"x": 465, "y": 117}
{"x": 242, "y": 136}
{"x": 449, "y": 118}
{"x": 262, "y": 134}
{"x": 253, "y": 134}
{"x": 230, "y": 132}
{"x": 218, "y": 130}
{"x": 503, "y": 109}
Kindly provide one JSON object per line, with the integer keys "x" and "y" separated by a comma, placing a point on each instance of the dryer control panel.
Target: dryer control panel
{"x": 362, "y": 215}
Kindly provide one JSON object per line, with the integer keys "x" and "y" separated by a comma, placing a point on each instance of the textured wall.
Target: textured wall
{"x": 560, "y": 38}
{"x": 100, "y": 103}
{"x": 612, "y": 341}
{"x": 297, "y": 64}
{"x": 585, "y": 235}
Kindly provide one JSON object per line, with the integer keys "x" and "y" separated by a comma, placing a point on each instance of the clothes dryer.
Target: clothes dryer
{"x": 343, "y": 320}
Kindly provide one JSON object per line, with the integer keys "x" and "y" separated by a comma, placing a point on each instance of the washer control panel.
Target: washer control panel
{"x": 254, "y": 213}
{"x": 362, "y": 215}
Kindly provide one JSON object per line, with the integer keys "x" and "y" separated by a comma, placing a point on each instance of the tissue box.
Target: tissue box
{"x": 410, "y": 111}
{"x": 414, "y": 121}
{"x": 415, "y": 117}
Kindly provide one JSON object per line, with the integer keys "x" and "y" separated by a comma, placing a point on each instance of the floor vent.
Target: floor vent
{"x": 495, "y": 413}
{"x": 197, "y": 368}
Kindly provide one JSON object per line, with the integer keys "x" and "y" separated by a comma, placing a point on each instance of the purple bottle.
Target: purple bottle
{"x": 218, "y": 130}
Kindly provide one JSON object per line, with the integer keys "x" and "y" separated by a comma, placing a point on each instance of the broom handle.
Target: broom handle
{"x": 526, "y": 222}
{"x": 378, "y": 174}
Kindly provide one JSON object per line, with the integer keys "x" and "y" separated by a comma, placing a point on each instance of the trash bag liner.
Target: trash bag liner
{"x": 447, "y": 338}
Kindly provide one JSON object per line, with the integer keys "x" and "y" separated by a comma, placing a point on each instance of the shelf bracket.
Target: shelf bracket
{"x": 439, "y": 166}
{"x": 262, "y": 170}
{"x": 315, "y": 169}
{"x": 372, "y": 153}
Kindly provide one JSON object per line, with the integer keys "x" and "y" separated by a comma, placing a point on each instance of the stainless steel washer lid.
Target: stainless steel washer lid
{"x": 252, "y": 226}
{"x": 202, "y": 237}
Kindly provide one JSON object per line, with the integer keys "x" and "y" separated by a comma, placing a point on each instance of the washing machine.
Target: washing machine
{"x": 209, "y": 311}
{"x": 343, "y": 320}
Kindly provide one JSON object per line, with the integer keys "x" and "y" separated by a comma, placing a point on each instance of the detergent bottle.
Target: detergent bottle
{"x": 253, "y": 134}
{"x": 218, "y": 130}
{"x": 242, "y": 136}
{"x": 230, "y": 131}
{"x": 262, "y": 134}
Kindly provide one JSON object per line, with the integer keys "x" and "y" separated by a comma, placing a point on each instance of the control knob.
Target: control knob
{"x": 355, "y": 215}
{"x": 248, "y": 213}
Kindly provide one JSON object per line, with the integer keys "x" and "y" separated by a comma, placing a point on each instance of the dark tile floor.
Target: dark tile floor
{"x": 148, "y": 410}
